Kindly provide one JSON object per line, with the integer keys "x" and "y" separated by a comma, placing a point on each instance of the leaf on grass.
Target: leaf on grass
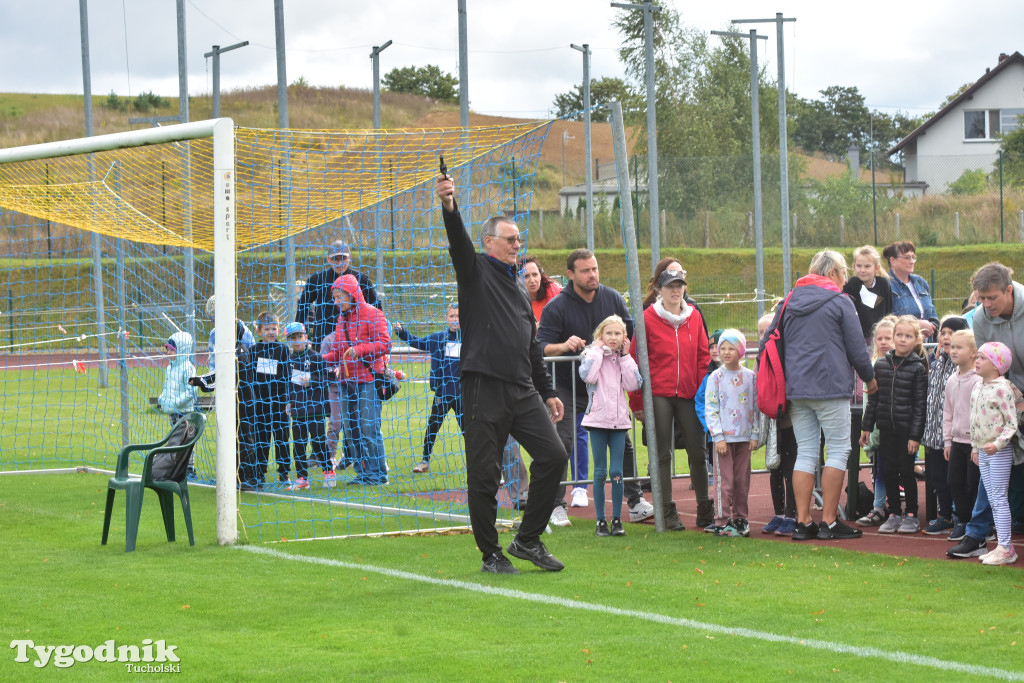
{"x": 628, "y": 584}
{"x": 585, "y": 651}
{"x": 186, "y": 607}
{"x": 363, "y": 578}
{"x": 701, "y": 604}
{"x": 699, "y": 570}
{"x": 821, "y": 611}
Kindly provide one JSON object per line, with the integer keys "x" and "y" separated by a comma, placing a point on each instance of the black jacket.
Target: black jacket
{"x": 316, "y": 308}
{"x": 499, "y": 332}
{"x": 310, "y": 399}
{"x": 900, "y": 404}
{"x": 568, "y": 314}
{"x": 266, "y": 373}
{"x": 869, "y": 317}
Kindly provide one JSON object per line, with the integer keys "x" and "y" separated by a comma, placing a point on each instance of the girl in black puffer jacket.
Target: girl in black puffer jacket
{"x": 899, "y": 409}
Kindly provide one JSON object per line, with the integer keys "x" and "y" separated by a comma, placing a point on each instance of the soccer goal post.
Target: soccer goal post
{"x": 92, "y": 196}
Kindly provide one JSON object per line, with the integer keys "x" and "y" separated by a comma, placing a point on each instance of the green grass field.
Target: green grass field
{"x": 644, "y": 607}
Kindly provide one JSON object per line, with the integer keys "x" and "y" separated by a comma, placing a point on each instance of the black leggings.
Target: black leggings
{"x": 781, "y": 479}
{"x": 311, "y": 428}
{"x": 899, "y": 470}
{"x": 438, "y": 412}
{"x": 962, "y": 475}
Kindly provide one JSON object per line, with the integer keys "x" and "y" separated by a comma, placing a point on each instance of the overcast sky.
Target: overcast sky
{"x": 907, "y": 56}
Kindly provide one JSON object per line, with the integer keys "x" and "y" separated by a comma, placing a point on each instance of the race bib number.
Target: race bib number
{"x": 300, "y": 377}
{"x": 453, "y": 349}
{"x": 266, "y": 366}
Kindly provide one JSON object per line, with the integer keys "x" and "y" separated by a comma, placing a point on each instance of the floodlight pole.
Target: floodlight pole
{"x": 375, "y": 59}
{"x": 282, "y": 122}
{"x": 186, "y": 181}
{"x": 783, "y": 139}
{"x": 589, "y": 176}
{"x": 755, "y": 124}
{"x": 95, "y": 244}
{"x": 216, "y": 53}
{"x": 649, "y": 9}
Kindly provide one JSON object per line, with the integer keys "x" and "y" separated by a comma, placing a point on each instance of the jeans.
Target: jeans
{"x": 608, "y": 444}
{"x": 810, "y": 418}
{"x": 981, "y": 515}
{"x": 334, "y": 429}
{"x": 681, "y": 412}
{"x": 580, "y": 460}
{"x": 361, "y": 407}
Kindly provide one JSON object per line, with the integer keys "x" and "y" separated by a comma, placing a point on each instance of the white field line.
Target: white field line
{"x": 825, "y": 645}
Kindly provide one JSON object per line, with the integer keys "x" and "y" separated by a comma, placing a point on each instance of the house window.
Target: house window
{"x": 981, "y": 124}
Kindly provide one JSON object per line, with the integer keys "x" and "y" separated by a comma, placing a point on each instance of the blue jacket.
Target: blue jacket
{"x": 307, "y": 384}
{"x": 822, "y": 338}
{"x": 445, "y": 349}
{"x": 903, "y": 301}
{"x": 177, "y": 395}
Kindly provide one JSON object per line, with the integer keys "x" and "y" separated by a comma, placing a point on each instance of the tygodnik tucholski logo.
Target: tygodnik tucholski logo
{"x": 153, "y": 656}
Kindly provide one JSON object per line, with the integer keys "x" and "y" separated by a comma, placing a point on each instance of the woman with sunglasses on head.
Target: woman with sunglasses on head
{"x": 910, "y": 292}
{"x": 539, "y": 286}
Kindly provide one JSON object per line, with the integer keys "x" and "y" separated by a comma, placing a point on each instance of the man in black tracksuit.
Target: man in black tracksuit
{"x": 503, "y": 381}
{"x": 316, "y": 308}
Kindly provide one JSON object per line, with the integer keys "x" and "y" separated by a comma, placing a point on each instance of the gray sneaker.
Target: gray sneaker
{"x": 910, "y": 525}
{"x": 891, "y": 525}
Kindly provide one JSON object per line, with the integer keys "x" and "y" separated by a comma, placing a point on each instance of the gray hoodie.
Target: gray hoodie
{"x": 1008, "y": 331}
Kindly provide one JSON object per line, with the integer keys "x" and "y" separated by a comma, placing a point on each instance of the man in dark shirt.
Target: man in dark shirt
{"x": 503, "y": 381}
{"x": 566, "y": 327}
{"x": 316, "y": 309}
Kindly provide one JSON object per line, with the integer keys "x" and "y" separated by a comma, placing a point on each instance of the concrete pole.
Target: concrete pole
{"x": 215, "y": 53}
{"x": 587, "y": 150}
{"x": 375, "y": 59}
{"x": 636, "y": 301}
{"x": 652, "y": 133}
{"x": 282, "y": 122}
{"x": 463, "y": 66}
{"x": 95, "y": 244}
{"x": 186, "y": 183}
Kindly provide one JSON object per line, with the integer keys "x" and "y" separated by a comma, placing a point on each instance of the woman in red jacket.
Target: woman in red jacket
{"x": 677, "y": 350}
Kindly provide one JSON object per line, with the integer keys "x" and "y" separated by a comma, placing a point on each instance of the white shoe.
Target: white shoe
{"x": 579, "y": 498}
{"x": 641, "y": 511}
{"x": 559, "y": 517}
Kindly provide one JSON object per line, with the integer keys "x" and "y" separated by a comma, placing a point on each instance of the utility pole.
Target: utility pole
{"x": 755, "y": 124}
{"x": 186, "y": 181}
{"x": 589, "y": 177}
{"x": 375, "y": 58}
{"x": 282, "y": 122}
{"x": 463, "y": 66}
{"x": 779, "y": 20}
{"x": 216, "y": 53}
{"x": 649, "y": 8}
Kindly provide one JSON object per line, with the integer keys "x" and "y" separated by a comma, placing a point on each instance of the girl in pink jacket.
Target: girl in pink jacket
{"x": 609, "y": 372}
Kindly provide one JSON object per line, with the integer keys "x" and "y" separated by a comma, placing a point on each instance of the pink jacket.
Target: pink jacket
{"x": 956, "y": 407}
{"x": 608, "y": 375}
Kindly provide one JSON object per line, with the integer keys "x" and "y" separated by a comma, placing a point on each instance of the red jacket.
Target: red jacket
{"x": 678, "y": 358}
{"x": 363, "y": 328}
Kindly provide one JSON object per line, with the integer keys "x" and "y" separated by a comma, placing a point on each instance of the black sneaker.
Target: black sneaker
{"x": 838, "y": 530}
{"x": 535, "y": 552}
{"x": 496, "y": 563}
{"x": 602, "y": 528}
{"x": 617, "y": 529}
{"x": 805, "y": 532}
{"x": 969, "y": 547}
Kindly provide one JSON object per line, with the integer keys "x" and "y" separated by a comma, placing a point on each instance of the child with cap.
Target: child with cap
{"x": 733, "y": 423}
{"x": 177, "y": 397}
{"x": 307, "y": 407}
{"x": 993, "y": 426}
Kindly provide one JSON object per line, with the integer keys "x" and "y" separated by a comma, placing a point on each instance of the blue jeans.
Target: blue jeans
{"x": 810, "y": 418}
{"x": 981, "y": 516}
{"x": 608, "y": 444}
{"x": 581, "y": 462}
{"x": 361, "y": 407}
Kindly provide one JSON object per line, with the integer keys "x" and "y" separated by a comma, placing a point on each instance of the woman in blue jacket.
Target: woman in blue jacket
{"x": 910, "y": 293}
{"x": 445, "y": 370}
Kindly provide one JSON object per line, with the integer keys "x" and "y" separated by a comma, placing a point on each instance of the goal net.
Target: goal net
{"x": 116, "y": 245}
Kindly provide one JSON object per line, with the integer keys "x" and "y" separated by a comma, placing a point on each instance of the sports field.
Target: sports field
{"x": 644, "y": 607}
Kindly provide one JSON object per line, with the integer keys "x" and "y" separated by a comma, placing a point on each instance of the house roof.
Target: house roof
{"x": 1016, "y": 57}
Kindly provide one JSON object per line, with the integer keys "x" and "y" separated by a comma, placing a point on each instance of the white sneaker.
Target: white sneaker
{"x": 641, "y": 511}
{"x": 579, "y": 498}
{"x": 891, "y": 525}
{"x": 559, "y": 517}
{"x": 1000, "y": 556}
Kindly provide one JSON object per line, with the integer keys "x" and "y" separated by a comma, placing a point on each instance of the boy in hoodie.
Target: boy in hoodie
{"x": 177, "y": 397}
{"x": 361, "y": 344}
{"x": 307, "y": 406}
{"x": 445, "y": 372}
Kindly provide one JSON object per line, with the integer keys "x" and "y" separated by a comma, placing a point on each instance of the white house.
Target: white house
{"x": 605, "y": 189}
{"x": 963, "y": 135}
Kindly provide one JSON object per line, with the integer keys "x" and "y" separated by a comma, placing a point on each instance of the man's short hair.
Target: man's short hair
{"x": 992, "y": 275}
{"x": 490, "y": 226}
{"x": 577, "y": 255}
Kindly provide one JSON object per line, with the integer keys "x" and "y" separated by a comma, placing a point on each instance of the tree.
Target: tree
{"x": 428, "y": 81}
{"x": 1011, "y": 145}
{"x": 602, "y": 91}
{"x": 833, "y": 123}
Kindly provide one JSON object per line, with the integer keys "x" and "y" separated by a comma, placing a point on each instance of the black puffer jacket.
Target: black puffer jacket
{"x": 901, "y": 402}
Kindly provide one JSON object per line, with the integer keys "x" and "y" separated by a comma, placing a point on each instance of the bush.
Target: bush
{"x": 970, "y": 182}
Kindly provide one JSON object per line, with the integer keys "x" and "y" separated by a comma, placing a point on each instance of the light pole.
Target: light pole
{"x": 755, "y": 124}
{"x": 375, "y": 58}
{"x": 589, "y": 176}
{"x": 216, "y": 53}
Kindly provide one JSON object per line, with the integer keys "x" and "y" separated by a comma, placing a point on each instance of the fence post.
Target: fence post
{"x": 10, "y": 316}
{"x": 792, "y": 238}
{"x": 540, "y": 222}
{"x": 1020, "y": 224}
{"x": 707, "y": 228}
{"x": 897, "y": 226}
{"x": 956, "y": 224}
{"x": 664, "y": 225}
{"x": 932, "y": 283}
{"x": 842, "y": 229}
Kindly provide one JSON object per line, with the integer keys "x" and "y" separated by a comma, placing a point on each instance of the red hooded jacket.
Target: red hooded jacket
{"x": 363, "y": 328}
{"x": 678, "y": 357}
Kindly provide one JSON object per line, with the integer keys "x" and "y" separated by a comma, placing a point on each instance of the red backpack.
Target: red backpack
{"x": 771, "y": 379}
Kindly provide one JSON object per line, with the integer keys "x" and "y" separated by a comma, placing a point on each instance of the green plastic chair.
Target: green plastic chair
{"x": 165, "y": 470}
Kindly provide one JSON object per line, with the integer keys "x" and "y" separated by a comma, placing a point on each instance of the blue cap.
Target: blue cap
{"x": 294, "y": 328}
